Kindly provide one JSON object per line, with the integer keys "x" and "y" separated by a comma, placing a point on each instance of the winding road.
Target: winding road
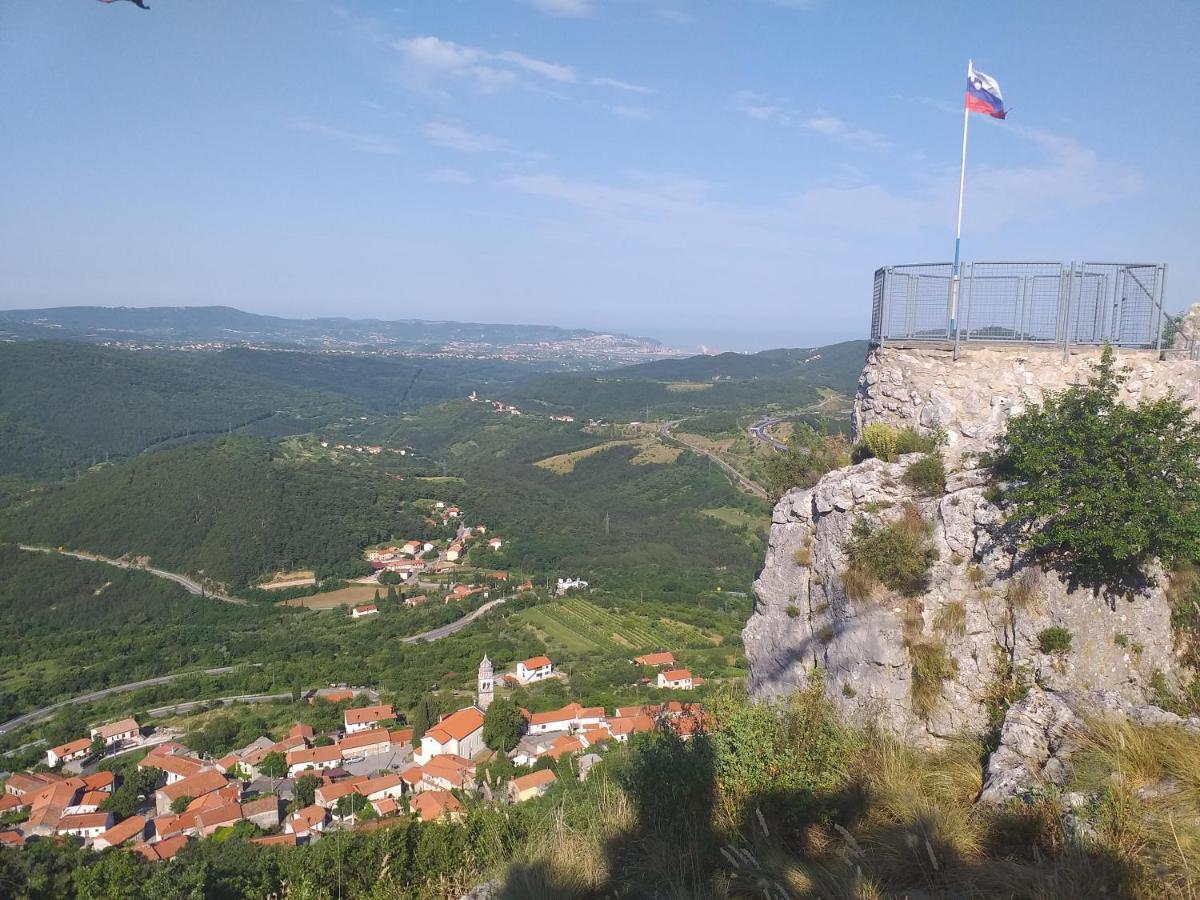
{"x": 759, "y": 431}
{"x": 192, "y": 587}
{"x": 47, "y": 711}
{"x": 664, "y": 430}
{"x": 457, "y": 625}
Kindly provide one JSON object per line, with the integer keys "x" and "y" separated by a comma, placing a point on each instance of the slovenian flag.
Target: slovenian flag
{"x": 983, "y": 94}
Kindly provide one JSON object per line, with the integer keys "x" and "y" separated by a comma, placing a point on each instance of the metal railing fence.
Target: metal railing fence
{"x": 1022, "y": 302}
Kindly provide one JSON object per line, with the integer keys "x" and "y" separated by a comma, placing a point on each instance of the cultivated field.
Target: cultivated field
{"x": 331, "y": 599}
{"x": 578, "y": 626}
{"x": 649, "y": 450}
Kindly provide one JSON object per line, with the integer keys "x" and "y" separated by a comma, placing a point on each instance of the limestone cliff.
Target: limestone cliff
{"x": 986, "y": 604}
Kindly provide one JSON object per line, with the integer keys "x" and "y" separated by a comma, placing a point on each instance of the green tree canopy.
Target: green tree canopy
{"x": 274, "y": 765}
{"x": 502, "y": 724}
{"x": 1102, "y": 487}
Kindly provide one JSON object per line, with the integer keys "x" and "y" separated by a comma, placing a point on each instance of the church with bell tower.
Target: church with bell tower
{"x": 487, "y": 684}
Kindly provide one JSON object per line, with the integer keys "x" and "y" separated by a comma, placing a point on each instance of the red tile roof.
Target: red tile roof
{"x": 655, "y": 659}
{"x": 163, "y": 850}
{"x": 536, "y": 662}
{"x": 534, "y": 779}
{"x": 71, "y": 747}
{"x": 134, "y": 826}
{"x": 194, "y": 786}
{"x": 431, "y": 805}
{"x": 457, "y": 725}
{"x": 366, "y": 714}
{"x": 99, "y": 781}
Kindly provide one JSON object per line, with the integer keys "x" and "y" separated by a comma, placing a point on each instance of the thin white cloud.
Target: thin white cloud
{"x": 450, "y": 176}
{"x": 620, "y": 85}
{"x": 455, "y": 137}
{"x": 675, "y": 16}
{"x": 631, "y": 112}
{"x": 364, "y": 142}
{"x": 833, "y": 127}
{"x": 563, "y": 9}
{"x": 762, "y": 108}
{"x": 430, "y": 58}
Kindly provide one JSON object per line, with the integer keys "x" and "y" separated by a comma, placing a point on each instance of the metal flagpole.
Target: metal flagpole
{"x": 962, "y": 181}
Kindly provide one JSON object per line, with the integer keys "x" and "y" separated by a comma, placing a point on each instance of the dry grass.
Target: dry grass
{"x": 931, "y": 667}
{"x": 1025, "y": 591}
{"x": 858, "y": 584}
{"x": 951, "y": 619}
{"x": 803, "y": 557}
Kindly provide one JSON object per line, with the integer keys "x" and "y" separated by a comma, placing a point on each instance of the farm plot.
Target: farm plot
{"x": 578, "y": 625}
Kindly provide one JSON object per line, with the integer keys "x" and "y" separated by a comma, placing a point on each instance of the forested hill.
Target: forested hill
{"x": 66, "y": 405}
{"x": 231, "y": 510}
{"x": 773, "y": 380}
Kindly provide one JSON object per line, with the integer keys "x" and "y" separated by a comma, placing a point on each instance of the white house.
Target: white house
{"x": 365, "y": 717}
{"x": 571, "y": 717}
{"x": 570, "y": 584}
{"x": 86, "y": 826}
{"x": 675, "y": 678}
{"x": 315, "y": 758}
{"x": 359, "y": 612}
{"x": 458, "y": 734}
{"x": 534, "y": 669}
{"x": 67, "y": 752}
{"x": 495, "y": 543}
{"x": 116, "y": 732}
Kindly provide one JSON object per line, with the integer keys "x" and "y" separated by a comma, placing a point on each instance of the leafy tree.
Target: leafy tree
{"x": 274, "y": 765}
{"x": 350, "y": 804}
{"x": 424, "y": 716}
{"x": 305, "y": 790}
{"x": 179, "y": 804}
{"x": 98, "y": 745}
{"x": 502, "y": 725}
{"x": 810, "y": 454}
{"x": 1100, "y": 487}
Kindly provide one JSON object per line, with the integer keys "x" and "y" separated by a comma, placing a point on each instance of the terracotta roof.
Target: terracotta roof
{"x": 123, "y": 831}
{"x": 112, "y": 729}
{"x": 84, "y": 820}
{"x": 401, "y": 735}
{"x": 231, "y": 793}
{"x": 597, "y": 735}
{"x": 365, "y": 739}
{"x": 288, "y": 840}
{"x": 457, "y": 725}
{"x": 272, "y": 839}
{"x": 13, "y": 838}
{"x": 534, "y": 779}
{"x": 536, "y": 662}
{"x": 71, "y": 747}
{"x": 430, "y": 805}
{"x": 168, "y": 825}
{"x": 365, "y": 714}
{"x": 375, "y": 785}
{"x": 563, "y": 745}
{"x": 630, "y": 724}
{"x": 194, "y": 786}
{"x": 183, "y": 766}
{"x": 9, "y": 802}
{"x": 99, "y": 781}
{"x": 259, "y": 806}
{"x": 334, "y": 696}
{"x": 28, "y": 782}
{"x": 300, "y": 730}
{"x": 386, "y": 807}
{"x": 568, "y": 713}
{"x": 413, "y": 774}
{"x": 227, "y": 762}
{"x": 163, "y": 850}
{"x": 221, "y": 815}
{"x": 166, "y": 748}
{"x": 454, "y": 769}
{"x": 306, "y": 818}
{"x": 92, "y": 798}
{"x": 370, "y": 607}
{"x": 655, "y": 659}
{"x": 329, "y": 794}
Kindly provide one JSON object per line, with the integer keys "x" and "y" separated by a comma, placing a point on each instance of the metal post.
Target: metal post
{"x": 1162, "y": 298}
{"x": 962, "y": 183}
{"x": 1067, "y": 313}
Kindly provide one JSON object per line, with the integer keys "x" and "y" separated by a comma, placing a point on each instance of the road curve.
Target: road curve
{"x": 46, "y": 711}
{"x": 192, "y": 587}
{"x": 759, "y": 432}
{"x": 457, "y": 625}
{"x": 664, "y": 430}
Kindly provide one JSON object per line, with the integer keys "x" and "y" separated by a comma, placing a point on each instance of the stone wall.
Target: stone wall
{"x": 971, "y": 398}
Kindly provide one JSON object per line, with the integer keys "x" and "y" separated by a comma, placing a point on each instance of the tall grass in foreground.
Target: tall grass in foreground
{"x": 799, "y": 807}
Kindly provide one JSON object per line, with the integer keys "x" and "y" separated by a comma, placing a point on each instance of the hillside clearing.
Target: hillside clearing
{"x": 650, "y": 451}
{"x": 333, "y": 599}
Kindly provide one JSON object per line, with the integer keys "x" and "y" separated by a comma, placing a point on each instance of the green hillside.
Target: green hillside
{"x": 774, "y": 380}
{"x": 231, "y": 510}
{"x": 65, "y": 406}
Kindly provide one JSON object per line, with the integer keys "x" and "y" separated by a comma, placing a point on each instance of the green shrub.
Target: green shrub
{"x": 1121, "y": 640}
{"x": 1054, "y": 639}
{"x": 927, "y": 474}
{"x": 848, "y": 691}
{"x": 898, "y": 554}
{"x": 1100, "y": 487}
{"x": 880, "y": 441}
{"x": 793, "y": 610}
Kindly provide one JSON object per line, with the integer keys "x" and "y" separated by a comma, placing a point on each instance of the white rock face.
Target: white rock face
{"x": 972, "y": 398}
{"x": 803, "y": 618}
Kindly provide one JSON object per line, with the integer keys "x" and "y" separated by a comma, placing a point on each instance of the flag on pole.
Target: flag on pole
{"x": 983, "y": 94}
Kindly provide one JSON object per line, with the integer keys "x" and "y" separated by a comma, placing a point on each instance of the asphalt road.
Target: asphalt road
{"x": 192, "y": 587}
{"x": 664, "y": 430}
{"x": 457, "y": 625}
{"x": 759, "y": 432}
{"x": 47, "y": 711}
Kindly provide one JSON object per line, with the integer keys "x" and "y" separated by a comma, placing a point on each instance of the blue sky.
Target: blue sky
{"x": 727, "y": 173}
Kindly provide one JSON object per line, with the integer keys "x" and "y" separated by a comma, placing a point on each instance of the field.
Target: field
{"x": 683, "y": 387}
{"x": 650, "y": 451}
{"x": 579, "y": 626}
{"x": 332, "y": 599}
{"x": 738, "y": 518}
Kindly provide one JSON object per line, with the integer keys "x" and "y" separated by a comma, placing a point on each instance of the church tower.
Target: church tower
{"x": 487, "y": 684}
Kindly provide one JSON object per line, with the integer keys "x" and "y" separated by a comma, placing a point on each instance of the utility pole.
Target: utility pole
{"x": 606, "y": 524}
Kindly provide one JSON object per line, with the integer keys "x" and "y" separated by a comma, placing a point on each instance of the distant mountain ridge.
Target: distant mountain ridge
{"x": 229, "y": 325}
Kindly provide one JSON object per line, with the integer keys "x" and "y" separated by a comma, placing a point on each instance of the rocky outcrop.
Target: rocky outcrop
{"x": 1041, "y": 734}
{"x": 971, "y": 399}
{"x": 985, "y": 606}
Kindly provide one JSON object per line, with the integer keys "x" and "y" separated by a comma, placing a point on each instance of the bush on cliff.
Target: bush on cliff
{"x": 897, "y": 554}
{"x": 1101, "y": 488}
{"x": 887, "y": 443}
{"x": 810, "y": 454}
